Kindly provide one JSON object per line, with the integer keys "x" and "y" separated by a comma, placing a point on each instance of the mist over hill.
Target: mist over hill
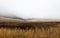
{"x": 10, "y": 16}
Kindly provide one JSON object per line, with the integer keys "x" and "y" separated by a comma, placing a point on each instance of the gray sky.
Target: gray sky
{"x": 47, "y": 9}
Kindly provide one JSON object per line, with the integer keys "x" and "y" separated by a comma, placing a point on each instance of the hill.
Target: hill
{"x": 17, "y": 28}
{"x": 18, "y": 23}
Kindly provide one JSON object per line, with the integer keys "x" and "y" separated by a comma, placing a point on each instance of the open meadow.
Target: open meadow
{"x": 31, "y": 30}
{"x": 16, "y": 28}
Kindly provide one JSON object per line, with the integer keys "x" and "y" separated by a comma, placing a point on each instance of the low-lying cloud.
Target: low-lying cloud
{"x": 47, "y": 9}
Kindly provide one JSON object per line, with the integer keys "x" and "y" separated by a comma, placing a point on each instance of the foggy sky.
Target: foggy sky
{"x": 47, "y": 9}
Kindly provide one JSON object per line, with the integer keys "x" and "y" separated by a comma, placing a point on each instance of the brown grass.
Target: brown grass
{"x": 41, "y": 32}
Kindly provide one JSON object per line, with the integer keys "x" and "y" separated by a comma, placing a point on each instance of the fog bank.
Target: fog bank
{"x": 46, "y": 9}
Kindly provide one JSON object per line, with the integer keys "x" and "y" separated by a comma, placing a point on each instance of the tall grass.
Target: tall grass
{"x": 53, "y": 32}
{"x": 41, "y": 30}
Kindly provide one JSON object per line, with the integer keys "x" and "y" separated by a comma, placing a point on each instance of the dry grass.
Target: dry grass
{"x": 52, "y": 32}
{"x": 34, "y": 30}
{"x": 10, "y": 28}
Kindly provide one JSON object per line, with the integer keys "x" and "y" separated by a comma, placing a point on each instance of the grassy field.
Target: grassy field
{"x": 41, "y": 30}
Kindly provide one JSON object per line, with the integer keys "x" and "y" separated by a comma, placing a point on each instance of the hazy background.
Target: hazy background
{"x": 47, "y": 9}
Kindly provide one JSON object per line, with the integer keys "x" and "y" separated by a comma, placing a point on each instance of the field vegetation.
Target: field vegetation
{"x": 30, "y": 30}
